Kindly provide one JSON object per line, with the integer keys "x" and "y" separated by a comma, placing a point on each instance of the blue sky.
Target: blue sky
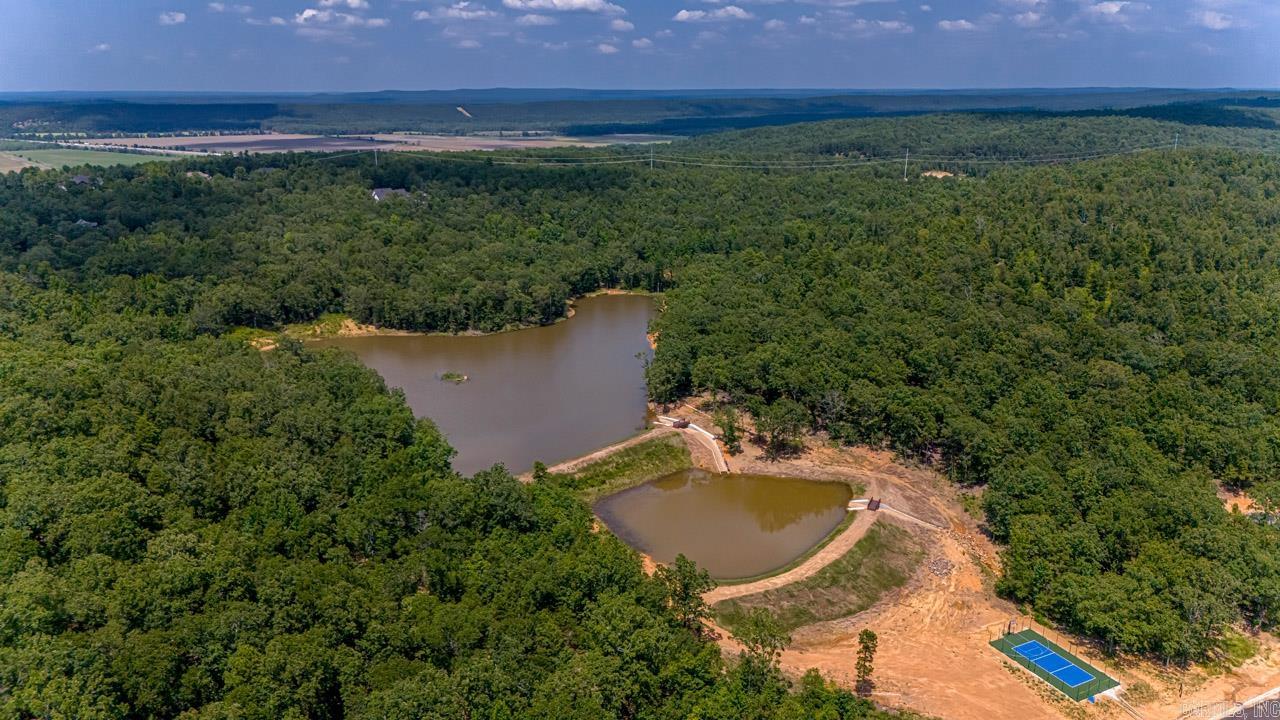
{"x": 311, "y": 45}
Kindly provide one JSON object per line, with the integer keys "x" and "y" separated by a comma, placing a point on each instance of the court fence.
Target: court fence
{"x": 1100, "y": 683}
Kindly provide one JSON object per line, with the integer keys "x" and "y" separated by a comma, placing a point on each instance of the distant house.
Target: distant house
{"x": 86, "y": 223}
{"x": 198, "y": 174}
{"x": 380, "y": 194}
{"x": 84, "y": 180}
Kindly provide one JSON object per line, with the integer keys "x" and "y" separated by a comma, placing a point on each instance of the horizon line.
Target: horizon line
{"x": 570, "y": 88}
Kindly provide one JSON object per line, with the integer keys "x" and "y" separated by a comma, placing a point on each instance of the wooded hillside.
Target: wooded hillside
{"x": 190, "y": 526}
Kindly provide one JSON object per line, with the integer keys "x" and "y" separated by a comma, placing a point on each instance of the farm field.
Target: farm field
{"x": 59, "y": 157}
{"x": 10, "y": 162}
{"x": 285, "y": 142}
{"x": 256, "y": 143}
{"x": 462, "y": 143}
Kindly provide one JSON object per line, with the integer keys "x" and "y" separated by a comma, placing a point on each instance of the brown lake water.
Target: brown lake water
{"x": 548, "y": 393}
{"x": 733, "y": 526}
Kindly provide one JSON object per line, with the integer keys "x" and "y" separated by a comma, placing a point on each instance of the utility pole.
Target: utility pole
{"x": 1176, "y": 137}
{"x": 375, "y": 157}
{"x": 650, "y": 157}
{"x": 905, "y": 160}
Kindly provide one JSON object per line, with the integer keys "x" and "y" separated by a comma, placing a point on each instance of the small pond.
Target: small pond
{"x": 734, "y": 526}
{"x": 548, "y": 393}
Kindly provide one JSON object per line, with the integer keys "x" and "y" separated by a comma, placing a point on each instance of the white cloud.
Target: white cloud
{"x": 312, "y": 16}
{"x": 533, "y": 19}
{"x": 642, "y": 43}
{"x": 775, "y": 25}
{"x": 1213, "y": 20}
{"x": 728, "y": 12}
{"x": 1028, "y": 19}
{"x": 352, "y": 4}
{"x": 172, "y": 18}
{"x": 100, "y": 48}
{"x": 219, "y": 7}
{"x": 880, "y": 27}
{"x": 956, "y": 25}
{"x": 1115, "y": 12}
{"x": 620, "y": 25}
{"x": 465, "y": 10}
{"x": 333, "y": 25}
{"x": 926, "y": 8}
{"x": 1109, "y": 8}
{"x": 807, "y": 20}
{"x": 595, "y": 6}
{"x": 273, "y": 20}
{"x": 606, "y": 49}
{"x": 469, "y": 44}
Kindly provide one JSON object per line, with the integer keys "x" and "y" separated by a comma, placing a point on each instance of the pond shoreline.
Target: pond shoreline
{"x": 550, "y": 392}
{"x": 747, "y": 464}
{"x": 737, "y": 526}
{"x": 337, "y": 325}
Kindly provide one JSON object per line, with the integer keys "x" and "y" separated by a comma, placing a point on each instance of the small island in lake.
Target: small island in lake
{"x": 456, "y": 378}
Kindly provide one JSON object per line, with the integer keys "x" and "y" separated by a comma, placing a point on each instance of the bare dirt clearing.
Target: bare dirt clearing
{"x": 934, "y": 655}
{"x": 1201, "y": 692}
{"x": 1233, "y": 501}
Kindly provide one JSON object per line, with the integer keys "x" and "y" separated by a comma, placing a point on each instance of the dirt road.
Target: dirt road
{"x": 578, "y": 463}
{"x": 696, "y": 435}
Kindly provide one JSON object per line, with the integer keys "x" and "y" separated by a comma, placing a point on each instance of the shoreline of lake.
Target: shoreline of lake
{"x": 763, "y": 524}
{"x": 523, "y": 401}
{"x": 349, "y": 328}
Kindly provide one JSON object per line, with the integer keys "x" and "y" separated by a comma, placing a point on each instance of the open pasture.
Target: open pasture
{"x": 257, "y": 143}
{"x": 59, "y": 157}
{"x": 10, "y": 162}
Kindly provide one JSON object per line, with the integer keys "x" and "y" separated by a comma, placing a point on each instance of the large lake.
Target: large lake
{"x": 549, "y": 393}
{"x": 734, "y": 526}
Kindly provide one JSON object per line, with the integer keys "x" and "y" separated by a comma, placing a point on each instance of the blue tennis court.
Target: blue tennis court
{"x": 1053, "y": 663}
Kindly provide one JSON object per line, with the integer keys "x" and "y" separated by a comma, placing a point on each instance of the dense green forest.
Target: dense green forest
{"x": 1094, "y": 344}
{"x": 585, "y": 112}
{"x": 192, "y": 528}
{"x": 948, "y": 140}
{"x": 189, "y": 526}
